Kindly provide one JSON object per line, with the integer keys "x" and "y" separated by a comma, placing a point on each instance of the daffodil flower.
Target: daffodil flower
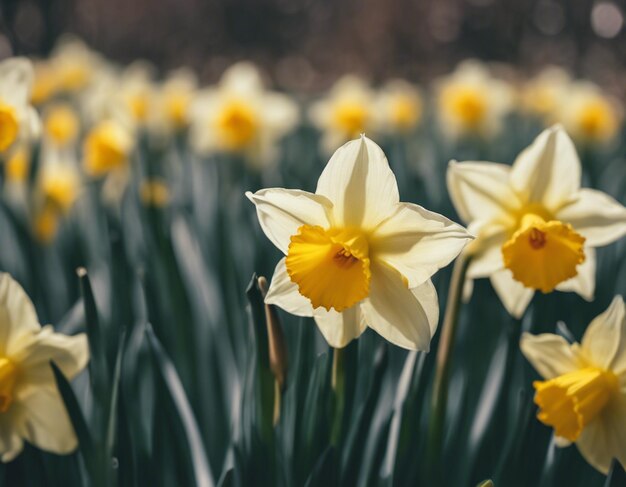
{"x": 399, "y": 107}
{"x": 347, "y": 111}
{"x": 470, "y": 102}
{"x": 240, "y": 116}
{"x": 536, "y": 227}
{"x": 588, "y": 114}
{"x": 583, "y": 396}
{"x": 31, "y": 408}
{"x": 355, "y": 256}
{"x": 18, "y": 120}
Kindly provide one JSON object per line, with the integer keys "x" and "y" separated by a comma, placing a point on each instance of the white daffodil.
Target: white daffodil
{"x": 18, "y": 120}
{"x": 471, "y": 102}
{"x": 173, "y": 99}
{"x": 543, "y": 95}
{"x": 136, "y": 90}
{"x": 355, "y": 255}
{"x": 536, "y": 227}
{"x": 583, "y": 396}
{"x": 74, "y": 65}
{"x": 240, "y": 116}
{"x": 31, "y": 408}
{"x": 588, "y": 114}
{"x": 399, "y": 108}
{"x": 347, "y": 111}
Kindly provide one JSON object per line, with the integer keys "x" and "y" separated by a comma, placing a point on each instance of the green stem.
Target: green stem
{"x": 338, "y": 385}
{"x": 444, "y": 363}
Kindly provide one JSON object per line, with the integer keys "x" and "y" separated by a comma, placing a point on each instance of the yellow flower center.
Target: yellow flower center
{"x": 570, "y": 401}
{"x": 237, "y": 125}
{"x": 8, "y": 374}
{"x": 405, "y": 112}
{"x": 106, "y": 148}
{"x": 176, "y": 105}
{"x": 351, "y": 117}
{"x": 17, "y": 166}
{"x": 154, "y": 193}
{"x": 597, "y": 120}
{"x": 465, "y": 103}
{"x": 138, "y": 104}
{"x": 61, "y": 188}
{"x": 331, "y": 267}
{"x": 541, "y": 254}
{"x": 46, "y": 224}
{"x": 9, "y": 126}
{"x": 73, "y": 77}
{"x": 45, "y": 85}
{"x": 61, "y": 124}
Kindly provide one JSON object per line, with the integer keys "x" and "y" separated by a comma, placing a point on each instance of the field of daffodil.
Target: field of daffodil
{"x": 376, "y": 285}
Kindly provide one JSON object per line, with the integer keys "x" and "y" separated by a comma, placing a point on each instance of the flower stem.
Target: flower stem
{"x": 444, "y": 363}
{"x": 338, "y": 385}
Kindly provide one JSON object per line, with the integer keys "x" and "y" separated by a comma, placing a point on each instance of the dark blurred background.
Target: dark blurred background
{"x": 306, "y": 44}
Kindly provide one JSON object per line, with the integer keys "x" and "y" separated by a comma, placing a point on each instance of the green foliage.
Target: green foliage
{"x": 180, "y": 388}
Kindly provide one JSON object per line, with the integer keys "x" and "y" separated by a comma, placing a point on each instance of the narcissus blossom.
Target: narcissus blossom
{"x": 536, "y": 227}
{"x": 18, "y": 120}
{"x": 345, "y": 112}
{"x": 399, "y": 107}
{"x": 31, "y": 407}
{"x": 239, "y": 116}
{"x": 355, "y": 256}
{"x": 470, "y": 102}
{"x": 583, "y": 396}
{"x": 588, "y": 114}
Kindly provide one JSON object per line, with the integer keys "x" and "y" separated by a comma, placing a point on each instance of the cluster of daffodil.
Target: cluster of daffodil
{"x": 80, "y": 137}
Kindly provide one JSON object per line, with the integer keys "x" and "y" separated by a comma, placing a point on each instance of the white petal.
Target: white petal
{"x": 514, "y": 296}
{"x": 280, "y": 113}
{"x": 11, "y": 445}
{"x": 426, "y": 294}
{"x": 360, "y": 184}
{"x": 18, "y": 317}
{"x": 282, "y": 211}
{"x": 604, "y": 341}
{"x": 596, "y": 216}
{"x": 417, "y": 242}
{"x": 481, "y": 190}
{"x": 284, "y": 293}
{"x": 548, "y": 171}
{"x": 584, "y": 284}
{"x": 549, "y": 354}
{"x": 45, "y": 422}
{"x": 339, "y": 329}
{"x": 486, "y": 250}
{"x": 16, "y": 78}
{"x": 604, "y": 438}
{"x": 394, "y": 311}
{"x": 69, "y": 353}
{"x": 242, "y": 78}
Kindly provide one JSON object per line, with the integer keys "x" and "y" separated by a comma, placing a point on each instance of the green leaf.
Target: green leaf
{"x": 115, "y": 383}
{"x": 98, "y": 366}
{"x": 85, "y": 442}
{"x": 265, "y": 382}
{"x": 617, "y": 475}
{"x": 325, "y": 471}
{"x": 167, "y": 371}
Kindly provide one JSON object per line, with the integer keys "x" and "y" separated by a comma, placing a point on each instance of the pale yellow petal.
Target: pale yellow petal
{"x": 549, "y": 354}
{"x": 548, "y": 172}
{"x": 282, "y": 211}
{"x": 417, "y": 242}
{"x": 360, "y": 184}
{"x": 17, "y": 315}
{"x": 604, "y": 341}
